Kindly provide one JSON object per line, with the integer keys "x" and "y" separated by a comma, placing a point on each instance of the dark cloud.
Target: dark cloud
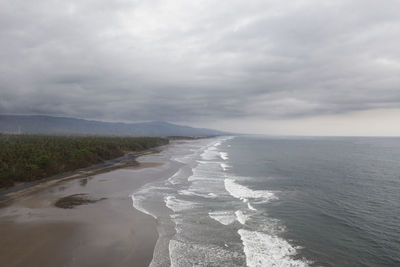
{"x": 198, "y": 60}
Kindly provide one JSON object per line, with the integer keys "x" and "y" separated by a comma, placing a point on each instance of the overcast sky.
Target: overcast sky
{"x": 307, "y": 67}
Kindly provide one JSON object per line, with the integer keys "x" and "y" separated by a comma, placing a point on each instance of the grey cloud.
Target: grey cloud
{"x": 198, "y": 61}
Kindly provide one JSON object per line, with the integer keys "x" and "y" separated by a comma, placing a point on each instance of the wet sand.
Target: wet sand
{"x": 102, "y": 230}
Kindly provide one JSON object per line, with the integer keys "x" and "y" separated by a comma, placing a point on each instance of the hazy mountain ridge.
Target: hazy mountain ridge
{"x": 41, "y": 124}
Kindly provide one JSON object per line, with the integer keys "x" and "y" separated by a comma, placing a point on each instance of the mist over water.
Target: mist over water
{"x": 287, "y": 202}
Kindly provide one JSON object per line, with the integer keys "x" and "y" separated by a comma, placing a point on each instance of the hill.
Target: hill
{"x": 39, "y": 124}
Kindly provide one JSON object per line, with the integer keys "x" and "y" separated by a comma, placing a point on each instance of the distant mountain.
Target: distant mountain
{"x": 38, "y": 124}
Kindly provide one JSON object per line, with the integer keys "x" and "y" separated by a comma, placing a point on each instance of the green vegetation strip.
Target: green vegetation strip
{"x": 25, "y": 158}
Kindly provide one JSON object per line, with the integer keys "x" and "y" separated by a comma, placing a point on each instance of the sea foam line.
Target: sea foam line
{"x": 224, "y": 166}
{"x": 251, "y": 207}
{"x": 223, "y": 217}
{"x": 136, "y": 204}
{"x": 241, "y": 217}
{"x": 223, "y": 155}
{"x": 198, "y": 194}
{"x": 178, "y": 205}
{"x": 172, "y": 179}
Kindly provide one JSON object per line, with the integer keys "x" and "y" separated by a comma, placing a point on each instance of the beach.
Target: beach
{"x": 85, "y": 219}
{"x": 221, "y": 201}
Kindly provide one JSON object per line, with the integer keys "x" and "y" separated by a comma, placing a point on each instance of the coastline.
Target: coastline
{"x": 105, "y": 231}
{"x": 129, "y": 160}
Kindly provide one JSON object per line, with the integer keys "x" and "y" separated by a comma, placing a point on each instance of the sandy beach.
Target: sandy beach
{"x": 96, "y": 224}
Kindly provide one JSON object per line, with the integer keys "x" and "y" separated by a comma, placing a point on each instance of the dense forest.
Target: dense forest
{"x": 31, "y": 157}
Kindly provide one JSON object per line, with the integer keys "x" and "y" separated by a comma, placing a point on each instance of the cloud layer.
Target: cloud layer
{"x": 199, "y": 61}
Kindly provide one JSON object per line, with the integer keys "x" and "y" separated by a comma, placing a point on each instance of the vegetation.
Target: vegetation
{"x": 31, "y": 157}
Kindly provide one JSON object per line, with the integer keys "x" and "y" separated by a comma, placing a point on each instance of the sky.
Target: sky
{"x": 299, "y": 67}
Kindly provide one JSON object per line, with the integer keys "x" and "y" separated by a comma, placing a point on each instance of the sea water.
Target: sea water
{"x": 252, "y": 201}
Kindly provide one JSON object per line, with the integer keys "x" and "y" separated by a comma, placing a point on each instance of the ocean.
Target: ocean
{"x": 269, "y": 201}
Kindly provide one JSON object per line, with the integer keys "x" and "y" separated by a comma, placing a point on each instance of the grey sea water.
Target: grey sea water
{"x": 277, "y": 202}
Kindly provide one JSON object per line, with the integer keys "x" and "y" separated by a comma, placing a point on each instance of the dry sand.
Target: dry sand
{"x": 108, "y": 232}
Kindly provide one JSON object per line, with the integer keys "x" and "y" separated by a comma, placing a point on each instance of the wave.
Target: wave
{"x": 243, "y": 193}
{"x": 209, "y": 155}
{"x": 267, "y": 250}
{"x": 224, "y": 166}
{"x": 175, "y": 179}
{"x": 194, "y": 178}
{"x": 207, "y": 162}
{"x": 136, "y": 203}
{"x": 241, "y": 217}
{"x": 223, "y": 155}
{"x": 183, "y": 159}
{"x": 210, "y": 171}
{"x": 198, "y": 194}
{"x": 178, "y": 205}
{"x": 223, "y": 217}
{"x": 194, "y": 254}
{"x": 251, "y": 207}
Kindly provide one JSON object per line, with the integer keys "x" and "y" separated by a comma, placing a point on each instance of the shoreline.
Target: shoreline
{"x": 100, "y": 228}
{"x": 128, "y": 160}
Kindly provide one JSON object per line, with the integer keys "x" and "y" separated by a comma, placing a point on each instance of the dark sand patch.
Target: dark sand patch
{"x": 72, "y": 201}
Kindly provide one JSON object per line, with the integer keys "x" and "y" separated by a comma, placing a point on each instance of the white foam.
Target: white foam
{"x": 207, "y": 162}
{"x": 267, "y": 250}
{"x": 242, "y": 192}
{"x": 201, "y": 178}
{"x": 136, "y": 203}
{"x": 184, "y": 159}
{"x": 178, "y": 205}
{"x": 174, "y": 179}
{"x": 223, "y": 155}
{"x": 225, "y": 166}
{"x": 207, "y": 172}
{"x": 194, "y": 254}
{"x": 223, "y": 217}
{"x": 194, "y": 193}
{"x": 251, "y": 207}
{"x": 209, "y": 155}
{"x": 241, "y": 217}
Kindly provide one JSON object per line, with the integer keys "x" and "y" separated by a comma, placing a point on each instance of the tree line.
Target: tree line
{"x": 31, "y": 157}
